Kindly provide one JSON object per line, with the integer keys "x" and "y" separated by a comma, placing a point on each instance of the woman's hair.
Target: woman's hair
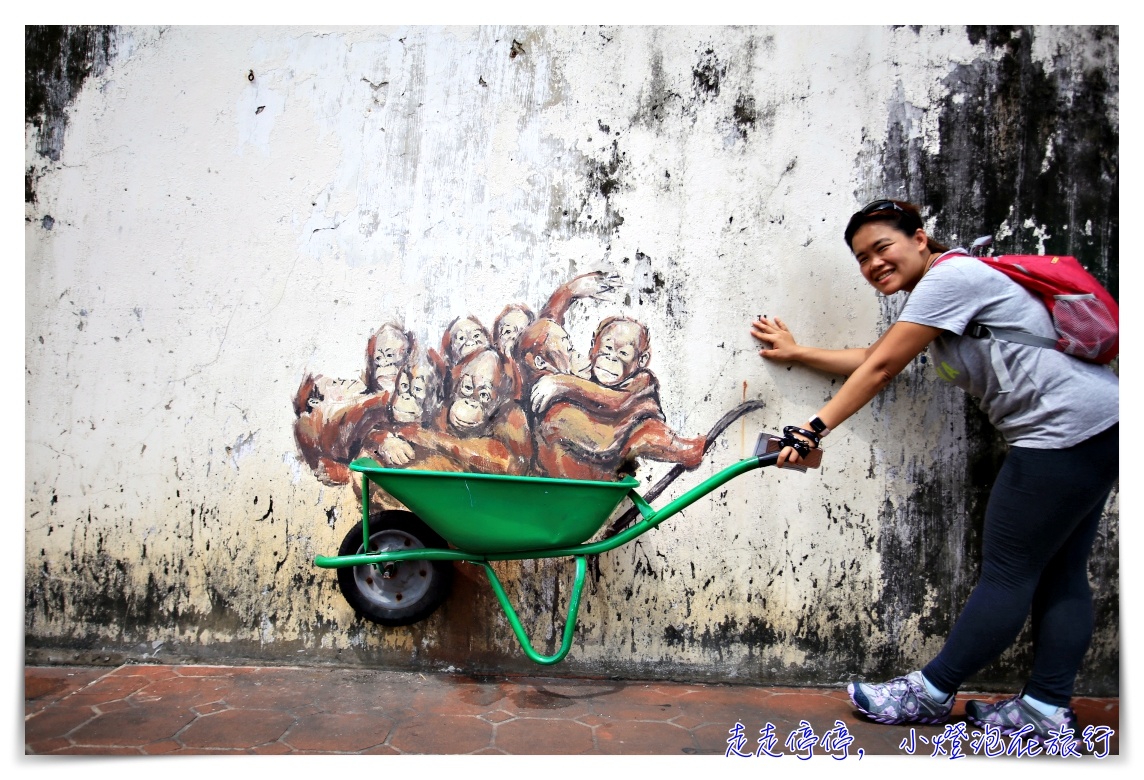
{"x": 898, "y": 214}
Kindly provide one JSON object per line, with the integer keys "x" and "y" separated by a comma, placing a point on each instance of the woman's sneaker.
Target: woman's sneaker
{"x": 901, "y": 700}
{"x": 1014, "y": 714}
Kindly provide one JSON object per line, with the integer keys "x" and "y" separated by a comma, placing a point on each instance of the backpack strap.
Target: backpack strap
{"x": 955, "y": 252}
{"x": 997, "y": 335}
{"x": 1000, "y": 370}
{"x": 979, "y": 331}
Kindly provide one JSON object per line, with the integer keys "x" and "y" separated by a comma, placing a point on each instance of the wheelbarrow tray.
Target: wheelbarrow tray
{"x": 487, "y": 513}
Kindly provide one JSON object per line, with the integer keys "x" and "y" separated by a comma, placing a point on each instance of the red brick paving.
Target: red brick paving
{"x": 162, "y": 748}
{"x": 438, "y": 733}
{"x": 215, "y": 710}
{"x": 133, "y": 727}
{"x": 641, "y": 738}
{"x": 236, "y": 729}
{"x": 337, "y": 733}
{"x": 543, "y": 736}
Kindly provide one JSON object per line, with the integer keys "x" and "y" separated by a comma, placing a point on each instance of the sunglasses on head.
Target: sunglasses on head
{"x": 880, "y": 205}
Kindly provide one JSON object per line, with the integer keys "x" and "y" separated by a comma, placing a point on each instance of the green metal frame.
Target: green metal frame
{"x": 651, "y": 519}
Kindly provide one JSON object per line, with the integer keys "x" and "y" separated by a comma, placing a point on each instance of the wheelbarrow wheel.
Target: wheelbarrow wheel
{"x": 401, "y": 593}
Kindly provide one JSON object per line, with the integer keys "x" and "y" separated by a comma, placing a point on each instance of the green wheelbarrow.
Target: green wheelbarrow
{"x": 395, "y": 567}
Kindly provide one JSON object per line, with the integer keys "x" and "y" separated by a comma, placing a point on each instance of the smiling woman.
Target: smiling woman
{"x": 1061, "y": 424}
{"x": 891, "y": 247}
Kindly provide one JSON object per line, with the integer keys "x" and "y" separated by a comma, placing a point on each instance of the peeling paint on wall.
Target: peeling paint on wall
{"x": 197, "y": 240}
{"x": 57, "y": 62}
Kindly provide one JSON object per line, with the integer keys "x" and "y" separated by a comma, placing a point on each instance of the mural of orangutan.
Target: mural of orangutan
{"x": 481, "y": 427}
{"x": 419, "y": 393}
{"x": 332, "y": 419}
{"x": 385, "y": 354}
{"x": 519, "y": 399}
{"x": 515, "y": 317}
{"x": 596, "y": 427}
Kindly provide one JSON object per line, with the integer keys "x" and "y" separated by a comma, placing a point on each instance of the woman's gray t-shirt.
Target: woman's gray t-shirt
{"x": 1037, "y": 398}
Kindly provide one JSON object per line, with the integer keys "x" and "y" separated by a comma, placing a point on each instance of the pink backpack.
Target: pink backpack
{"x": 1085, "y": 315}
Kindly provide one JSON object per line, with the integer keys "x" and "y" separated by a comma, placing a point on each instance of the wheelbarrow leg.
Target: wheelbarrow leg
{"x": 365, "y": 511}
{"x": 569, "y": 622}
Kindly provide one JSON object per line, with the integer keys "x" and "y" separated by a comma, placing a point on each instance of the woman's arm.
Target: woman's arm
{"x": 779, "y": 344}
{"x": 890, "y": 354}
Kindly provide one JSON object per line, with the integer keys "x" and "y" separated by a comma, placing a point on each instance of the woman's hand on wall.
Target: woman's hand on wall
{"x": 778, "y": 343}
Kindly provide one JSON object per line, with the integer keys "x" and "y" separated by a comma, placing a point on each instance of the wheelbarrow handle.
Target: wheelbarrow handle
{"x": 702, "y": 489}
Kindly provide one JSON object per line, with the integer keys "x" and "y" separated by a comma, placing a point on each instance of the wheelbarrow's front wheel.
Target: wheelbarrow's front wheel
{"x": 398, "y": 593}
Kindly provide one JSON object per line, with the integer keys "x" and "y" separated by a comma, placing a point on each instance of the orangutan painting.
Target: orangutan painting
{"x": 519, "y": 399}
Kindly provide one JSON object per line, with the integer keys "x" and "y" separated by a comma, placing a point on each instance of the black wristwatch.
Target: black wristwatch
{"x": 819, "y": 427}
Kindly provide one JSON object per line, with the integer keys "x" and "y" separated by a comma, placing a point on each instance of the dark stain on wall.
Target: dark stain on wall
{"x": 57, "y": 61}
{"x": 1018, "y": 143}
{"x": 99, "y": 582}
{"x": 603, "y": 177}
{"x": 656, "y": 100}
{"x": 602, "y": 174}
{"x": 755, "y": 634}
{"x": 30, "y": 184}
{"x": 744, "y": 115}
{"x": 707, "y": 75}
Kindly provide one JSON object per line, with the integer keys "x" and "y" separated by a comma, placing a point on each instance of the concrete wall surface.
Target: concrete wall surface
{"x": 212, "y": 213}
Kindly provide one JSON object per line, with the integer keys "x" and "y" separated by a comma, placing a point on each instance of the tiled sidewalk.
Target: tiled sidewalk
{"x": 153, "y": 710}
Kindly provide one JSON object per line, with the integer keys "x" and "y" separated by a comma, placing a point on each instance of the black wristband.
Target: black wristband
{"x": 790, "y": 431}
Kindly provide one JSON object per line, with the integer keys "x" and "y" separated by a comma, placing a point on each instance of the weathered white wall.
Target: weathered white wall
{"x": 204, "y": 239}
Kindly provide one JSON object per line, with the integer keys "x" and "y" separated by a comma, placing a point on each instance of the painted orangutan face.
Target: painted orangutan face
{"x": 476, "y": 393}
{"x": 330, "y": 390}
{"x": 544, "y": 347}
{"x": 388, "y": 355}
{"x": 616, "y": 354}
{"x": 468, "y": 336}
{"x": 509, "y": 330}
{"x": 312, "y": 393}
{"x": 415, "y": 387}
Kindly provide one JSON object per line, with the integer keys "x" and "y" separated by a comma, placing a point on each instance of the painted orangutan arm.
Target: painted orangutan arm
{"x": 345, "y": 427}
{"x": 326, "y": 442}
{"x": 307, "y": 429}
{"x": 590, "y": 285}
{"x": 507, "y": 451}
{"x": 331, "y": 472}
{"x": 388, "y": 448}
{"x": 593, "y": 396}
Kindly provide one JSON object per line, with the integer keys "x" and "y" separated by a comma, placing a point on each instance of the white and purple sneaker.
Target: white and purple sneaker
{"x": 1011, "y": 715}
{"x": 901, "y": 700}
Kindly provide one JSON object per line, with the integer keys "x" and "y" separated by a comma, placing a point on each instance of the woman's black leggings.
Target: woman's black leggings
{"x": 1040, "y": 523}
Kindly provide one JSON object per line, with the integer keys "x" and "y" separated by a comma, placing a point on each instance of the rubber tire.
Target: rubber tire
{"x": 416, "y": 588}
